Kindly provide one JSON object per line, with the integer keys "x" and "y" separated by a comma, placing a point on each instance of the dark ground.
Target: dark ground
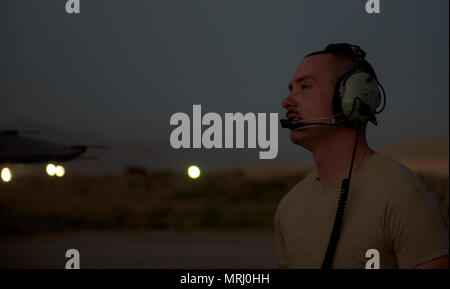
{"x": 141, "y": 250}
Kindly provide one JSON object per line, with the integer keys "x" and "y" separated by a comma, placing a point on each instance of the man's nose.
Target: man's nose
{"x": 287, "y": 103}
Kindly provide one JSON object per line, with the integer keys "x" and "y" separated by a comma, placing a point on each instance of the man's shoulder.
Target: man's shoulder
{"x": 395, "y": 180}
{"x": 385, "y": 169}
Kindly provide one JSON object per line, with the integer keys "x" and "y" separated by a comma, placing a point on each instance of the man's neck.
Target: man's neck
{"x": 334, "y": 156}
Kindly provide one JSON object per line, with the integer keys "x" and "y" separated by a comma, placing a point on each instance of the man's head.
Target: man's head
{"x": 312, "y": 88}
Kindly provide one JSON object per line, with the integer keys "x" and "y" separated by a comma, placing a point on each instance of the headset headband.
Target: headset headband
{"x": 354, "y": 52}
{"x": 347, "y": 50}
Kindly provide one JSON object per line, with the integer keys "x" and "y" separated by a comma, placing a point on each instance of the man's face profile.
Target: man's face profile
{"x": 311, "y": 96}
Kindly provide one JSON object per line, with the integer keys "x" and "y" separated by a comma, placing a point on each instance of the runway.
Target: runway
{"x": 141, "y": 250}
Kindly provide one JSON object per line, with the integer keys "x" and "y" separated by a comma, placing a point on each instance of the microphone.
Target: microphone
{"x": 301, "y": 124}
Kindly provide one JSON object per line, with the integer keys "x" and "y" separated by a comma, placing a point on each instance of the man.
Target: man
{"x": 388, "y": 209}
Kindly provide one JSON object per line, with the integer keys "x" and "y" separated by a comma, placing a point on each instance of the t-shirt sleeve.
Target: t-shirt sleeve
{"x": 414, "y": 225}
{"x": 281, "y": 249}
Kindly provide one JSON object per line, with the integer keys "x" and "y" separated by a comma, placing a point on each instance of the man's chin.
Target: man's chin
{"x": 298, "y": 136}
{"x": 309, "y": 137}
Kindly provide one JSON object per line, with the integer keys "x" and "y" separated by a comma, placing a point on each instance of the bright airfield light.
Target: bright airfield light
{"x": 193, "y": 172}
{"x": 60, "y": 171}
{"x": 6, "y": 175}
{"x": 51, "y": 169}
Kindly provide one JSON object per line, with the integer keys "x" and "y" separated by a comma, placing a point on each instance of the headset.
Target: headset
{"x": 356, "y": 98}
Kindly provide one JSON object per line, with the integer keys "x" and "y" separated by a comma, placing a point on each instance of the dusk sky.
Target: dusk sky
{"x": 115, "y": 73}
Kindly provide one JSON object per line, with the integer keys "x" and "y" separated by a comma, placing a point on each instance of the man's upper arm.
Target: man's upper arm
{"x": 415, "y": 226}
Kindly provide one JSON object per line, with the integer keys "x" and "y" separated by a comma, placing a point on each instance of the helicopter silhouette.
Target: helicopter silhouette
{"x": 21, "y": 149}
{"x": 18, "y": 149}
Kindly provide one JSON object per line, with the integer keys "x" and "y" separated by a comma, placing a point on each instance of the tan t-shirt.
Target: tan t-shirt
{"x": 388, "y": 209}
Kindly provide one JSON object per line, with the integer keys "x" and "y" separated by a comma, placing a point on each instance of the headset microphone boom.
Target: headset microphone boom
{"x": 302, "y": 124}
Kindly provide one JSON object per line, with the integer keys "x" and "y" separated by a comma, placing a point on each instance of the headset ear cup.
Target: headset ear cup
{"x": 338, "y": 97}
{"x": 360, "y": 98}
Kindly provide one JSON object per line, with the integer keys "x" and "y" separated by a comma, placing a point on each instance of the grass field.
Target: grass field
{"x": 229, "y": 200}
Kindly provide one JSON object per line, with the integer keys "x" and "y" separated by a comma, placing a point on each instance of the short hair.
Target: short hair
{"x": 351, "y": 52}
